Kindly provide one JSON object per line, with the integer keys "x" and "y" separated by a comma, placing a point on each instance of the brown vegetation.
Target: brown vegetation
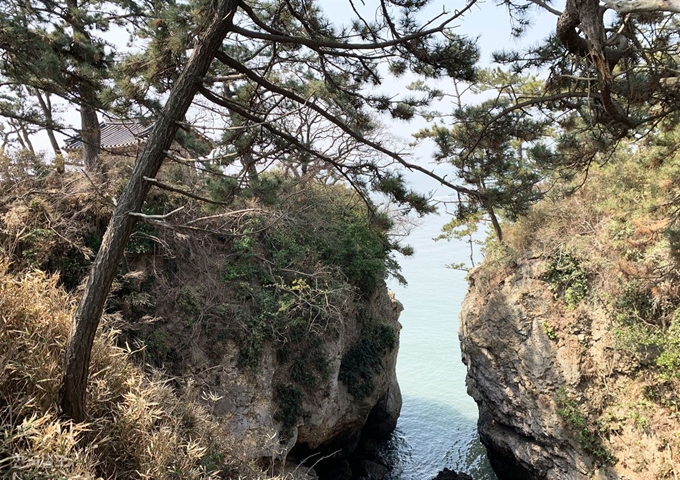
{"x": 609, "y": 254}
{"x": 139, "y": 426}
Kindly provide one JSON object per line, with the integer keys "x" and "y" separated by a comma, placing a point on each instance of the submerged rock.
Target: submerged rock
{"x": 447, "y": 474}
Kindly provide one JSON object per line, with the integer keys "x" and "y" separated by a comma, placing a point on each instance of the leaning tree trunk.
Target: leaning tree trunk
{"x": 86, "y": 318}
{"x": 46, "y": 107}
{"x": 495, "y": 223}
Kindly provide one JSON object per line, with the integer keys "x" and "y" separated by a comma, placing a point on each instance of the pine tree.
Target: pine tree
{"x": 276, "y": 57}
{"x": 617, "y": 72}
{"x": 56, "y": 47}
{"x": 498, "y": 151}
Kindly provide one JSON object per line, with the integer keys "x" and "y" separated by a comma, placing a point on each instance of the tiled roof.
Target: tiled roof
{"x": 116, "y": 134}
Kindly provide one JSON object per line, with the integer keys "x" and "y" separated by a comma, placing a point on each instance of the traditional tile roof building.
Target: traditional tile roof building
{"x": 117, "y": 136}
{"x": 127, "y": 137}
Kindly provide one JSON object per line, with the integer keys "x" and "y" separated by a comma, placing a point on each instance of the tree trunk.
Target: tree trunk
{"x": 24, "y": 138}
{"x": 495, "y": 223}
{"x": 90, "y": 134}
{"x": 46, "y": 107}
{"x": 623, "y": 7}
{"x": 86, "y": 318}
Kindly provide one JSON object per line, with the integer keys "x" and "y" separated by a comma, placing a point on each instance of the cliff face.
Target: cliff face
{"x": 309, "y": 393}
{"x": 290, "y": 333}
{"x": 571, "y": 335}
{"x": 249, "y": 399}
{"x": 337, "y": 413}
{"x": 515, "y": 372}
{"x": 558, "y": 398}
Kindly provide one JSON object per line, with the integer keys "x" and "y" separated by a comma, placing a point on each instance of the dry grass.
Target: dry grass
{"x": 137, "y": 427}
{"x": 620, "y": 227}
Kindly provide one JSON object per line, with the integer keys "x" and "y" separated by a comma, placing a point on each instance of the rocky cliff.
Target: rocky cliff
{"x": 557, "y": 397}
{"x": 328, "y": 418}
{"x": 516, "y": 371}
{"x": 570, "y": 336}
{"x": 274, "y": 308}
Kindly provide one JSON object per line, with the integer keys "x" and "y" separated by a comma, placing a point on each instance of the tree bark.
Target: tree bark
{"x": 587, "y": 15}
{"x": 46, "y": 107}
{"x": 495, "y": 223}
{"x": 623, "y": 7}
{"x": 90, "y": 134}
{"x": 87, "y": 316}
{"x": 24, "y": 138}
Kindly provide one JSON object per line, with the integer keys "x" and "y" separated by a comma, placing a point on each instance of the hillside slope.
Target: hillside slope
{"x": 571, "y": 330}
{"x": 268, "y": 317}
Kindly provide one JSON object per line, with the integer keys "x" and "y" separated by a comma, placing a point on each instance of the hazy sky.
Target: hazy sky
{"x": 487, "y": 22}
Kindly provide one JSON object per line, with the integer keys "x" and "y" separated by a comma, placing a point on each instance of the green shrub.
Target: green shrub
{"x": 589, "y": 434}
{"x": 643, "y": 331}
{"x": 570, "y": 279}
{"x": 363, "y": 360}
{"x": 310, "y": 367}
{"x": 548, "y": 330}
{"x": 141, "y": 240}
{"x": 669, "y": 358}
{"x": 189, "y": 300}
{"x": 634, "y": 304}
{"x": 289, "y": 412}
{"x": 261, "y": 324}
{"x": 158, "y": 348}
{"x": 300, "y": 274}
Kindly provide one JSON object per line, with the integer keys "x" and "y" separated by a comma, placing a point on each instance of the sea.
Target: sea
{"x": 438, "y": 424}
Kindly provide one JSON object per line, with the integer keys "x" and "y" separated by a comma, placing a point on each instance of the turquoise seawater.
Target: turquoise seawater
{"x": 438, "y": 423}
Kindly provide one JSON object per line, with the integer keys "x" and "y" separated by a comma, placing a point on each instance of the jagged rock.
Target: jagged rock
{"x": 338, "y": 412}
{"x": 447, "y": 474}
{"x": 514, "y": 373}
{"x": 523, "y": 350}
{"x": 373, "y": 471}
{"x": 333, "y": 418}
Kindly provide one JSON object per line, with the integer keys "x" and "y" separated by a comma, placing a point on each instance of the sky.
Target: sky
{"x": 485, "y": 21}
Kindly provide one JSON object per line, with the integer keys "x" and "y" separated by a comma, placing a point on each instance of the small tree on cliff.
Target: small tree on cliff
{"x": 494, "y": 149}
{"x": 269, "y": 58}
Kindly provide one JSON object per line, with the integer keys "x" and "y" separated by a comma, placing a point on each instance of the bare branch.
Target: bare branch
{"x": 156, "y": 217}
{"x": 623, "y": 7}
{"x": 170, "y": 188}
{"x": 547, "y": 7}
{"x": 315, "y": 43}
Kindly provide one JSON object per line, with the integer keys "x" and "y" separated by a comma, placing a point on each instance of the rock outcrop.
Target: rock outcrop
{"x": 447, "y": 474}
{"x": 329, "y": 418}
{"x": 337, "y": 413}
{"x": 514, "y": 372}
{"x": 557, "y": 399}
{"x": 332, "y": 416}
